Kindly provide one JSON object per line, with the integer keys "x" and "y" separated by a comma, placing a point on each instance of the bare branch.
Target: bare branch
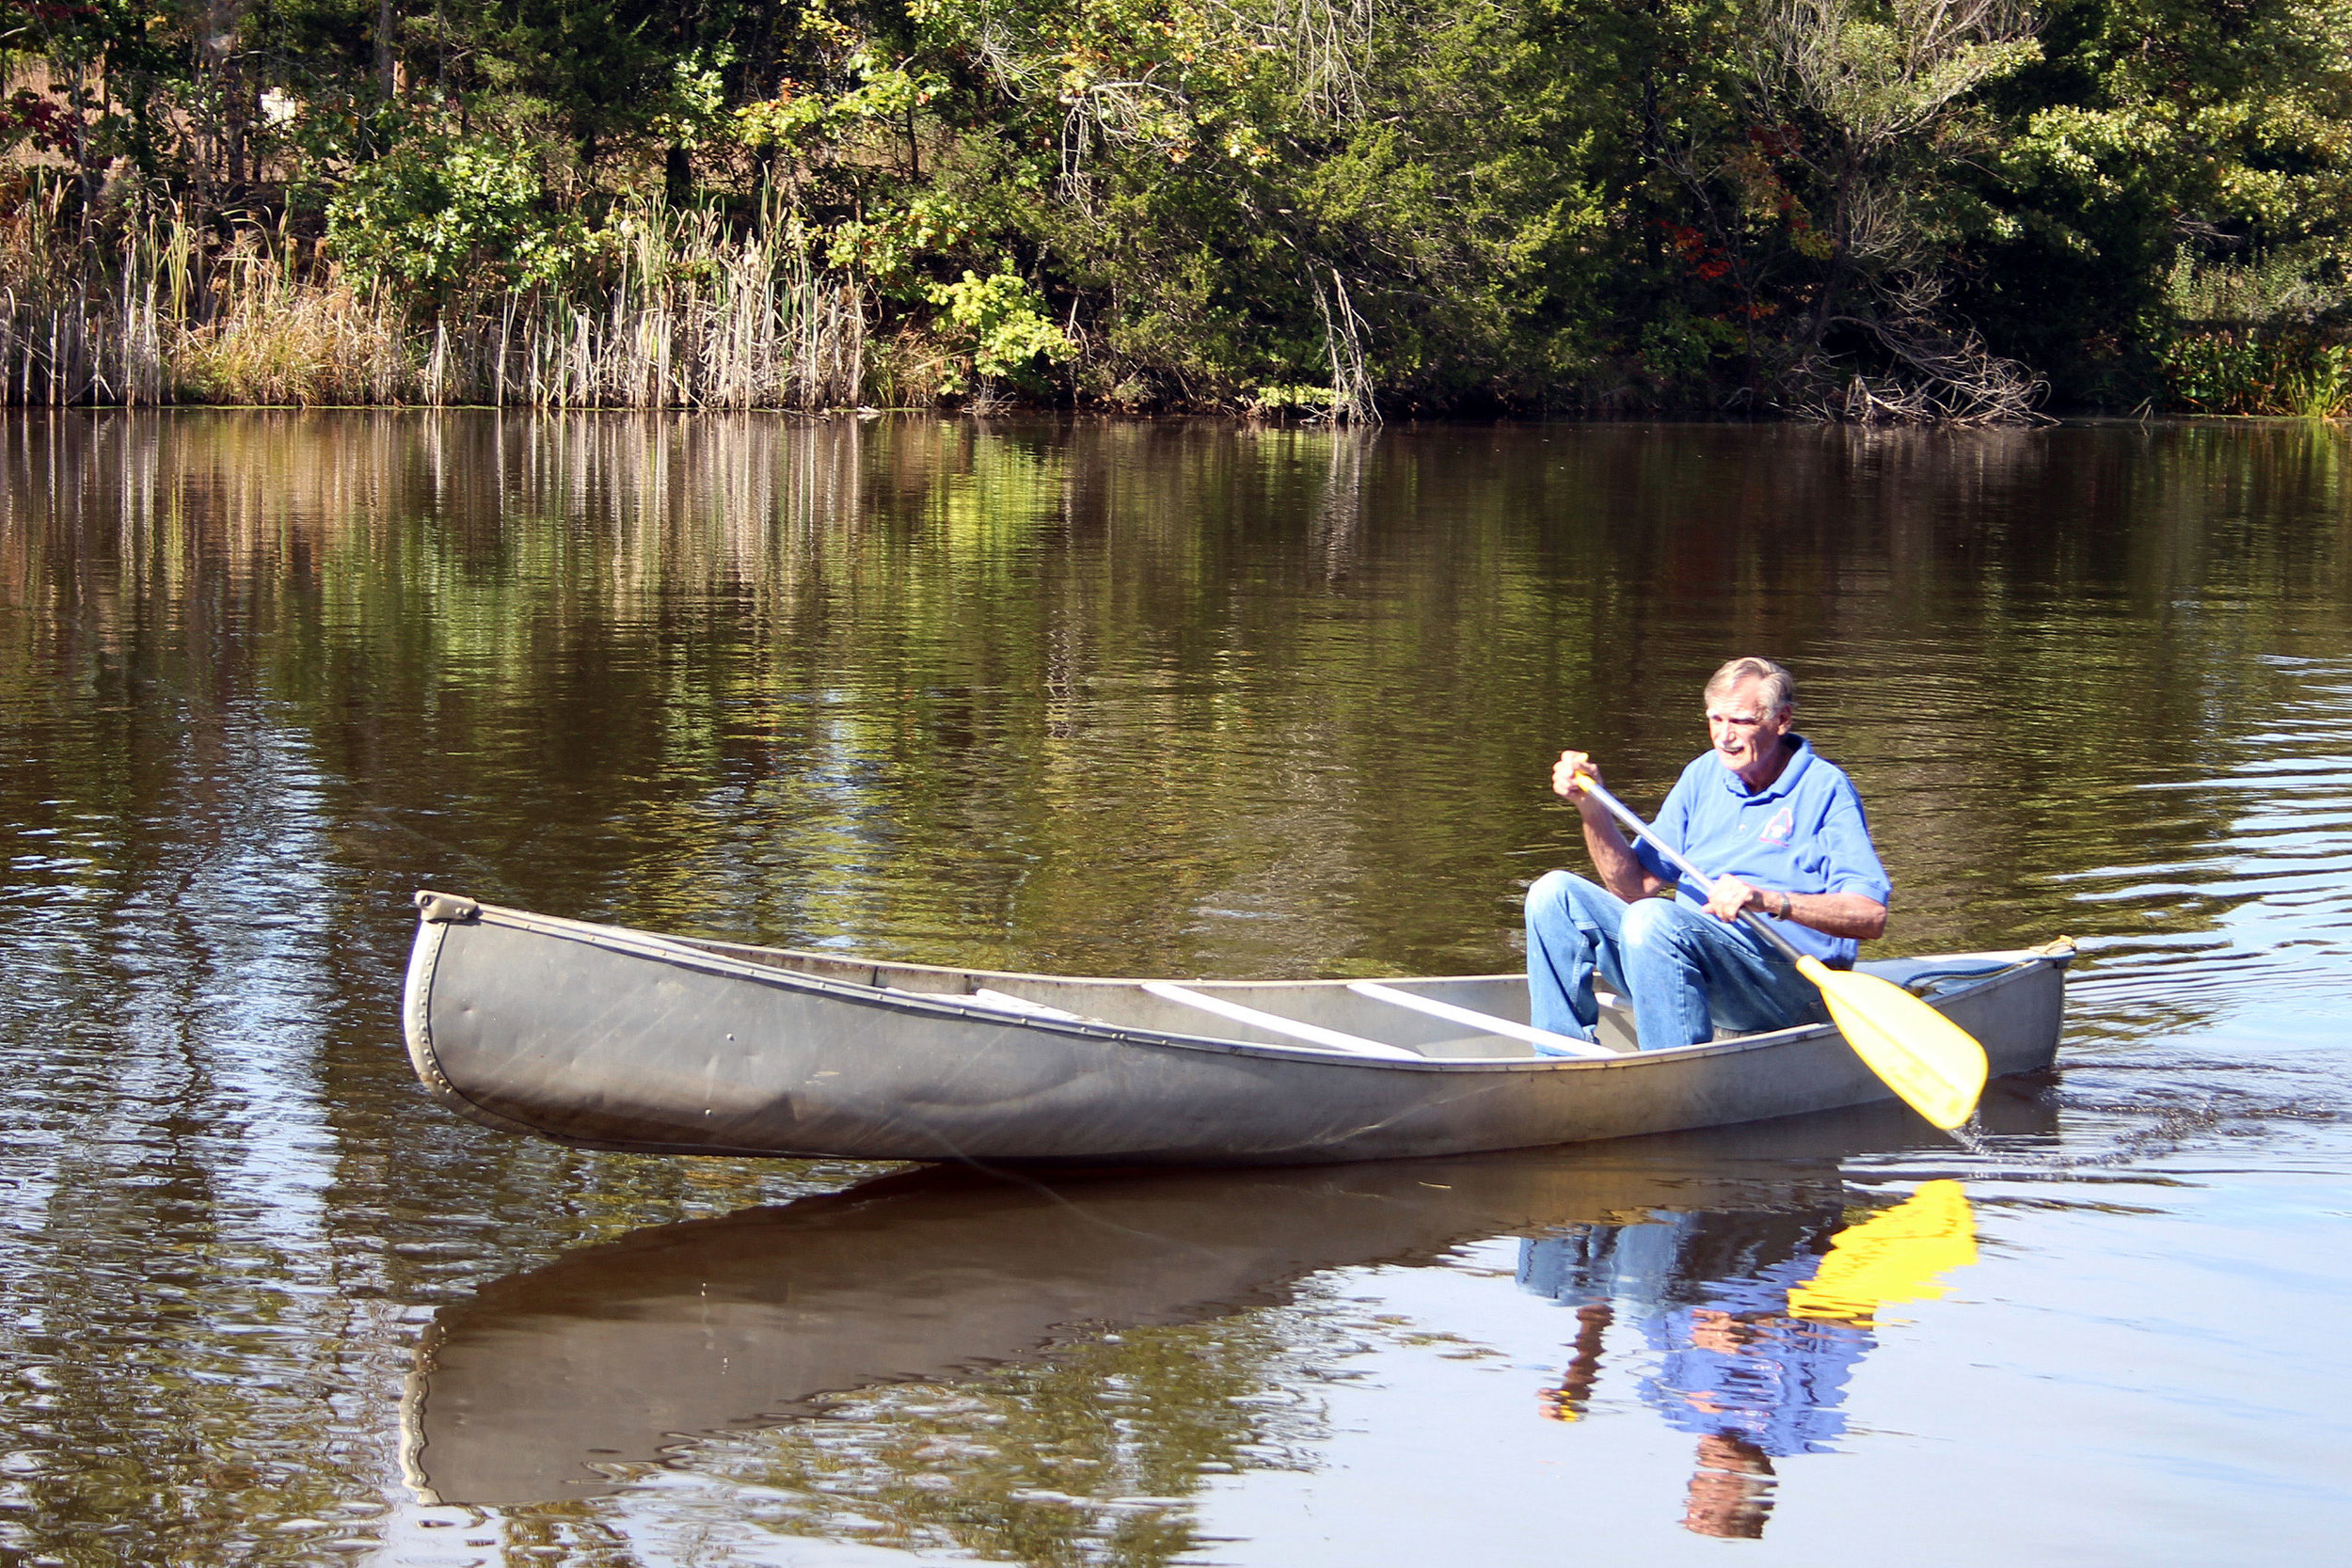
{"x": 1343, "y": 346}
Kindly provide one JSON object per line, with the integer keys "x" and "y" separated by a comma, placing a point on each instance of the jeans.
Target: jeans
{"x": 1685, "y": 971}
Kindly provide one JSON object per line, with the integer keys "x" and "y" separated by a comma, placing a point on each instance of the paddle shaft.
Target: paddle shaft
{"x": 1624, "y": 813}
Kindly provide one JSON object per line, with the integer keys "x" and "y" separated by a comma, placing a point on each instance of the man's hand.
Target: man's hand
{"x": 1731, "y": 896}
{"x": 1621, "y": 871}
{"x": 1567, "y": 776}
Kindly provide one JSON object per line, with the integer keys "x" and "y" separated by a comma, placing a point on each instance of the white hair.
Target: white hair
{"x": 1780, "y": 687}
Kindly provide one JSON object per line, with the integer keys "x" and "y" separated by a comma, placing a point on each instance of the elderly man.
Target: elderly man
{"x": 1782, "y": 832}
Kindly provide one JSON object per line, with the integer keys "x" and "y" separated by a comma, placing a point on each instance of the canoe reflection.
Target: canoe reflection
{"x": 617, "y": 1351}
{"x": 1755, "y": 1318}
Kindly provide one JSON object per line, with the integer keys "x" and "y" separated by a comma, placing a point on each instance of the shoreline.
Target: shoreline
{"x": 1066, "y": 415}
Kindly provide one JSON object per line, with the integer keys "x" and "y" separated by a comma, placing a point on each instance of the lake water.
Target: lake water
{"x": 1138, "y": 698}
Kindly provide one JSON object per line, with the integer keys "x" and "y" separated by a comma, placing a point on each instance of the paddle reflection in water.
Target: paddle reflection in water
{"x": 1756, "y": 1319}
{"x": 1008, "y": 1365}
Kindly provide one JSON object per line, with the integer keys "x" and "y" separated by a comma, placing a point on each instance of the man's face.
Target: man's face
{"x": 1744, "y": 730}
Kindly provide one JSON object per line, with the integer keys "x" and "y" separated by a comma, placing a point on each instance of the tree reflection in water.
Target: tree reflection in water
{"x": 1756, "y": 1320}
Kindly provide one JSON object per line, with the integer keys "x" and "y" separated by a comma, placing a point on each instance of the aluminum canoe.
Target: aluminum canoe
{"x": 606, "y": 1037}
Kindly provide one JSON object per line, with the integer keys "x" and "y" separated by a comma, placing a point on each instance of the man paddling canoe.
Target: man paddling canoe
{"x": 1782, "y": 830}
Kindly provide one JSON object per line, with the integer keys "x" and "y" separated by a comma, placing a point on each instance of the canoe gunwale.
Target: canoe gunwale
{"x": 681, "y": 955}
{"x": 713, "y": 959}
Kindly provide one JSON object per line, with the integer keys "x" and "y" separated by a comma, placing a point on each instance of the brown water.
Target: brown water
{"x": 1152, "y": 699}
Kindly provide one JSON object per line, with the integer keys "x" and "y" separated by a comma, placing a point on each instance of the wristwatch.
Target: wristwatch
{"x": 1787, "y": 904}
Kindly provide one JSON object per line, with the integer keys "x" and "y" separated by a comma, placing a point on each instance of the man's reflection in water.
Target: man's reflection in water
{"x": 1711, "y": 1291}
{"x": 1758, "y": 1318}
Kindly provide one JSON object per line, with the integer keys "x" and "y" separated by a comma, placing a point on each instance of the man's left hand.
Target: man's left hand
{"x": 1731, "y": 896}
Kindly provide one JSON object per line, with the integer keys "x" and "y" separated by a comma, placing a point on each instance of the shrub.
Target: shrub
{"x": 1000, "y": 321}
{"x": 2260, "y": 371}
{"x": 446, "y": 215}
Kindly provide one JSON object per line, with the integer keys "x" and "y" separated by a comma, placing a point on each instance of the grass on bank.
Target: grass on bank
{"x": 692, "y": 316}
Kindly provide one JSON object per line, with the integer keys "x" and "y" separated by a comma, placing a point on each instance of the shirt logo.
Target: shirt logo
{"x": 1779, "y": 829}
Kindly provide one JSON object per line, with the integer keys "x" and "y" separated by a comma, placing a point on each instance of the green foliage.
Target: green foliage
{"x": 2304, "y": 286}
{"x": 698, "y": 108}
{"x": 888, "y": 247}
{"x": 1001, "y": 323}
{"x": 440, "y": 216}
{"x": 1693, "y": 204}
{"x": 2145, "y": 120}
{"x": 2271, "y": 334}
{"x": 2251, "y": 371}
{"x": 799, "y": 120}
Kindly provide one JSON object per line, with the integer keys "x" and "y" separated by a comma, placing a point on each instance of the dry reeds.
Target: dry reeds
{"x": 695, "y": 318}
{"x": 70, "y": 331}
{"x": 695, "y": 315}
{"x": 278, "y": 338}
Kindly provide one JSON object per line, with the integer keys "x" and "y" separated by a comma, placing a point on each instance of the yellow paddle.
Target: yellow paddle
{"x": 1936, "y": 1065}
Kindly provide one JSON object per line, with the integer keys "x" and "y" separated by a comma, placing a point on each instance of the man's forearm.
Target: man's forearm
{"x": 1837, "y": 914}
{"x": 1621, "y": 871}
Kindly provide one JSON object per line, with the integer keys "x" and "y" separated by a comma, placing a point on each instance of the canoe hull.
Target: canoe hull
{"x": 608, "y": 1038}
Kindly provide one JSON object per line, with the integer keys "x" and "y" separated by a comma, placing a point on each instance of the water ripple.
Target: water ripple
{"x": 2266, "y": 896}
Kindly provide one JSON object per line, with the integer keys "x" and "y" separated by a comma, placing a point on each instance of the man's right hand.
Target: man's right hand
{"x": 1621, "y": 870}
{"x": 1567, "y": 773}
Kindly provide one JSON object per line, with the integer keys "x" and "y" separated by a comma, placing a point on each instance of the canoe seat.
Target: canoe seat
{"x": 1275, "y": 1023}
{"x": 1926, "y": 976}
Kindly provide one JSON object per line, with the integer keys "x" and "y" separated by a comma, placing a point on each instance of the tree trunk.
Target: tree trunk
{"x": 224, "y": 20}
{"x": 385, "y": 78}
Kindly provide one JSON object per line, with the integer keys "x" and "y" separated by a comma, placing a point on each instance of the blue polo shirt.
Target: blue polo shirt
{"x": 1804, "y": 833}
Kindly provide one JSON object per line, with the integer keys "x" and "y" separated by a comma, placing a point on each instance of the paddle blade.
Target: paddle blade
{"x": 1936, "y": 1065}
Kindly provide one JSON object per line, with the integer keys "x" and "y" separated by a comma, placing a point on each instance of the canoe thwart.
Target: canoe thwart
{"x": 1001, "y": 1001}
{"x": 1308, "y": 1033}
{"x": 1486, "y": 1023}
